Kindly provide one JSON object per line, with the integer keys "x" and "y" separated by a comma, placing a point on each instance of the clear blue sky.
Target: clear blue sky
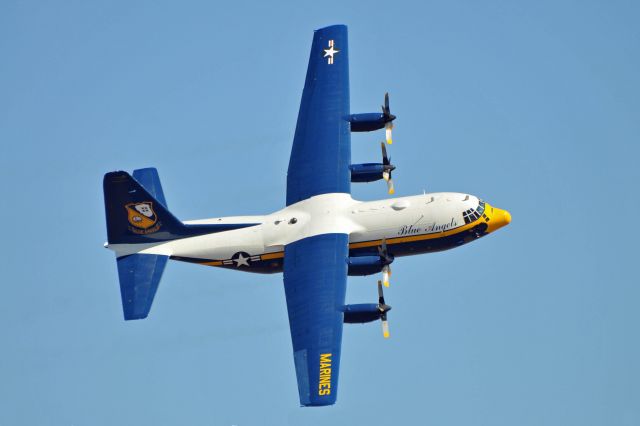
{"x": 533, "y": 106}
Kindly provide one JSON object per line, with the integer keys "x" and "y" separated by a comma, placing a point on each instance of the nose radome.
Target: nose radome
{"x": 507, "y": 217}
{"x": 497, "y": 218}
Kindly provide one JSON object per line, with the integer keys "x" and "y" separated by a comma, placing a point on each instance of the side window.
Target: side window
{"x": 481, "y": 207}
{"x": 467, "y": 216}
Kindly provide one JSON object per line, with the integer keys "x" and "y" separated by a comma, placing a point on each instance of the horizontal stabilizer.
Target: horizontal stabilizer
{"x": 139, "y": 277}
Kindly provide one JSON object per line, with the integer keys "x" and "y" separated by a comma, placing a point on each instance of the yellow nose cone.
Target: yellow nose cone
{"x": 507, "y": 217}
{"x": 497, "y": 218}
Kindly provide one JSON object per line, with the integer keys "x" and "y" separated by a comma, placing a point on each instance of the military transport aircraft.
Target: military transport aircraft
{"x": 320, "y": 237}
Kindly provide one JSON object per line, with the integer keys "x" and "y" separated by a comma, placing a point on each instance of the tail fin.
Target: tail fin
{"x": 133, "y": 214}
{"x": 150, "y": 181}
{"x": 137, "y": 213}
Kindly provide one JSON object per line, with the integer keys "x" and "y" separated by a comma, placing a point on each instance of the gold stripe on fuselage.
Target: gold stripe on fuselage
{"x": 374, "y": 243}
{"x": 269, "y": 256}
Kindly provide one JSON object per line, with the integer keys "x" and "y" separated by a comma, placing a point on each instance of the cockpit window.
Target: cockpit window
{"x": 473, "y": 214}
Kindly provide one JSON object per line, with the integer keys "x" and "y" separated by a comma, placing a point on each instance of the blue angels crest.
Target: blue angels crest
{"x": 142, "y": 216}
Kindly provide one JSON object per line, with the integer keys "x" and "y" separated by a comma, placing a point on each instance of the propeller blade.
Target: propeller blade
{"x": 386, "y": 174}
{"x": 386, "y": 273}
{"x": 382, "y": 251}
{"x": 392, "y": 190}
{"x": 386, "y": 269}
{"x": 383, "y": 244}
{"x": 385, "y": 158}
{"x": 380, "y": 293}
{"x": 385, "y": 328}
{"x": 384, "y": 308}
{"x": 388, "y": 118}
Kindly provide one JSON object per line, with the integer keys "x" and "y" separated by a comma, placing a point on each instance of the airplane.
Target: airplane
{"x": 320, "y": 238}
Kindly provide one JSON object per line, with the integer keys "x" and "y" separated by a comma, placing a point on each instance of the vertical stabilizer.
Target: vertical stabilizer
{"x": 150, "y": 180}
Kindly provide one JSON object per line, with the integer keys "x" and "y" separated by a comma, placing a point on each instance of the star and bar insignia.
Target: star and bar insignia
{"x": 328, "y": 53}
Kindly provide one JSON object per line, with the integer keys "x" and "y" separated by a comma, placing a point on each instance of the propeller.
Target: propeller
{"x": 383, "y": 308}
{"x": 387, "y": 259}
{"x": 388, "y": 168}
{"x": 388, "y": 118}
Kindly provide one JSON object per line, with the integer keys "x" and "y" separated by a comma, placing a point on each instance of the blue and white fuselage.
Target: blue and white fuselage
{"x": 410, "y": 225}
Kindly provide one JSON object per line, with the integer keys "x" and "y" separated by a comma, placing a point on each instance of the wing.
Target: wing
{"x": 315, "y": 278}
{"x": 321, "y": 152}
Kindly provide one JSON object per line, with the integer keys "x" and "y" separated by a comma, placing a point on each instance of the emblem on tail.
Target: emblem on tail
{"x": 142, "y": 217}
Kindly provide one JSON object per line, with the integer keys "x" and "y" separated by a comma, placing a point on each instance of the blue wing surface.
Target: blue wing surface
{"x": 321, "y": 153}
{"x": 315, "y": 278}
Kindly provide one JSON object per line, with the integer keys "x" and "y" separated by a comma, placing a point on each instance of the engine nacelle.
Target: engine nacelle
{"x": 367, "y": 172}
{"x": 367, "y": 122}
{"x": 366, "y": 265}
{"x": 361, "y": 313}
